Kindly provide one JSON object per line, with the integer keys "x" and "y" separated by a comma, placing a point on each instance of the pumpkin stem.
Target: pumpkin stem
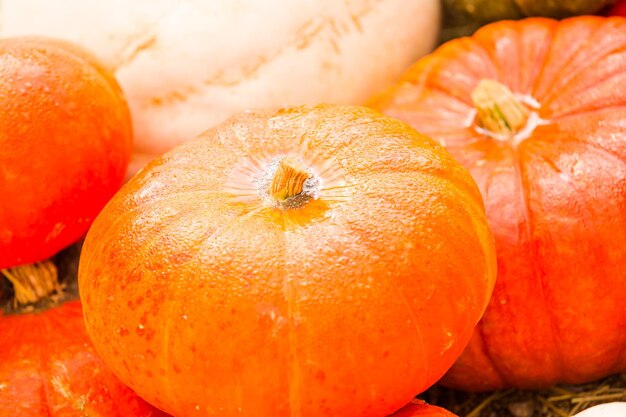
{"x": 289, "y": 179}
{"x": 498, "y": 109}
{"x": 32, "y": 282}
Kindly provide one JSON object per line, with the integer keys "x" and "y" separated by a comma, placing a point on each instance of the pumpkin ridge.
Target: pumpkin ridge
{"x": 167, "y": 352}
{"x": 520, "y": 27}
{"x": 484, "y": 348}
{"x": 523, "y": 190}
{"x": 439, "y": 56}
{"x": 294, "y": 383}
{"x": 413, "y": 316}
{"x": 599, "y": 148}
{"x": 575, "y": 111}
{"x": 575, "y": 114}
{"x": 565, "y": 65}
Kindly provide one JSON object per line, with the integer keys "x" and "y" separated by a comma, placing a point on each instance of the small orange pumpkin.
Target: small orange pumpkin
{"x": 48, "y": 364}
{"x": 536, "y": 111}
{"x": 65, "y": 144}
{"x": 302, "y": 262}
{"x": 48, "y": 367}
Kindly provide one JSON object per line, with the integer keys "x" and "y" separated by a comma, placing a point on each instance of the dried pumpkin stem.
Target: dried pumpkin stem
{"x": 498, "y": 109}
{"x": 32, "y": 282}
{"x": 289, "y": 179}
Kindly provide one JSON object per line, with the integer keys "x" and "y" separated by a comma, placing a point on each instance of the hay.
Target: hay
{"x": 558, "y": 401}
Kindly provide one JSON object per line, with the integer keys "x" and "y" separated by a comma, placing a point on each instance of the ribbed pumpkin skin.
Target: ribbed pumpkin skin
{"x": 555, "y": 200}
{"x": 204, "y": 299}
{"x": 65, "y": 144}
{"x": 49, "y": 368}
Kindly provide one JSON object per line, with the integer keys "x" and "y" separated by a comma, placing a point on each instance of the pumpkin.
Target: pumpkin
{"x": 418, "y": 408}
{"x": 188, "y": 66}
{"x": 535, "y": 111}
{"x": 615, "y": 409}
{"x": 49, "y": 367}
{"x": 65, "y": 143}
{"x": 462, "y": 17}
{"x": 306, "y": 261}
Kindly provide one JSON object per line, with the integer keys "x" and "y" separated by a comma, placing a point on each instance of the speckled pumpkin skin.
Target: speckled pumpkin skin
{"x": 204, "y": 298}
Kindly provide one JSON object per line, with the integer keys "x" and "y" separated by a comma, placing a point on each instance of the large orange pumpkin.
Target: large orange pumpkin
{"x": 301, "y": 262}
{"x": 536, "y": 110}
{"x": 65, "y": 143}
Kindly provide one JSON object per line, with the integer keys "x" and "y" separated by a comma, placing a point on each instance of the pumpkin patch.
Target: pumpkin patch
{"x": 282, "y": 262}
{"x": 535, "y": 110}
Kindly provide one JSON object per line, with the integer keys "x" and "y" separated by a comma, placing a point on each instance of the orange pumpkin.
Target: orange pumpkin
{"x": 536, "y": 111}
{"x": 307, "y": 261}
{"x": 65, "y": 144}
{"x": 48, "y": 367}
{"x": 48, "y": 364}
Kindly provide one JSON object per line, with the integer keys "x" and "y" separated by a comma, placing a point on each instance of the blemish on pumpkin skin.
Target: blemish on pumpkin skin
{"x": 142, "y": 331}
{"x": 149, "y": 374}
{"x": 133, "y": 305}
{"x": 161, "y": 372}
{"x": 176, "y": 369}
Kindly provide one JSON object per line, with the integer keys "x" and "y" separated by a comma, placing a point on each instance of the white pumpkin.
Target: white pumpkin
{"x": 616, "y": 409}
{"x": 186, "y": 65}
